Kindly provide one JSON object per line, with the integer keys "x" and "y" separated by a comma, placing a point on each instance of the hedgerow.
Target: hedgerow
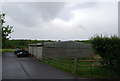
{"x": 109, "y": 50}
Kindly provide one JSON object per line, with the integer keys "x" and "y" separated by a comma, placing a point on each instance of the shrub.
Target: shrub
{"x": 109, "y": 49}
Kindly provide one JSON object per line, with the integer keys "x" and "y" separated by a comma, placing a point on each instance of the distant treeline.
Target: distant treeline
{"x": 24, "y": 43}
{"x": 84, "y": 41}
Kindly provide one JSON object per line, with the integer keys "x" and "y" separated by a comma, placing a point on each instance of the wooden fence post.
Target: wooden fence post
{"x": 75, "y": 64}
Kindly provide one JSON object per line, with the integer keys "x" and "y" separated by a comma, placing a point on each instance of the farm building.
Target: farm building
{"x": 61, "y": 49}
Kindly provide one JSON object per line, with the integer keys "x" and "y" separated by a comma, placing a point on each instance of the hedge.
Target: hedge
{"x": 109, "y": 50}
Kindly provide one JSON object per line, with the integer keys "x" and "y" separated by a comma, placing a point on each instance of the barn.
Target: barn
{"x": 61, "y": 49}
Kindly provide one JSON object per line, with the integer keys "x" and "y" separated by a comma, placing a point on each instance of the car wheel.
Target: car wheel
{"x": 18, "y": 56}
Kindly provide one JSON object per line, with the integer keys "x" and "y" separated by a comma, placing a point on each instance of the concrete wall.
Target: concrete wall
{"x": 62, "y": 52}
{"x": 39, "y": 52}
{"x": 79, "y": 52}
{"x": 31, "y": 50}
{"x": 36, "y": 51}
{"x": 54, "y": 52}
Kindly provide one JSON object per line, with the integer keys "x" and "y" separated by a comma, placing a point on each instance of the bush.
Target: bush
{"x": 109, "y": 49}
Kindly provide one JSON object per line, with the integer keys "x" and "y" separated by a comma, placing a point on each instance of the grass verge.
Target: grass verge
{"x": 83, "y": 71}
{"x": 7, "y": 50}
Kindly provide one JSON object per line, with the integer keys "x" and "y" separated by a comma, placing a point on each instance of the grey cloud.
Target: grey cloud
{"x": 29, "y": 13}
{"x": 86, "y": 5}
{"x": 19, "y": 13}
{"x": 48, "y": 10}
{"x": 37, "y": 15}
{"x": 66, "y": 12}
{"x": 81, "y": 27}
{"x": 119, "y": 18}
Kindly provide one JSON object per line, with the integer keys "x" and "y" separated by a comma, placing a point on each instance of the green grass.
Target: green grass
{"x": 83, "y": 71}
{"x": 7, "y": 50}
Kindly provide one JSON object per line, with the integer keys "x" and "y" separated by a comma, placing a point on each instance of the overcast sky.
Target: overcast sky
{"x": 61, "y": 20}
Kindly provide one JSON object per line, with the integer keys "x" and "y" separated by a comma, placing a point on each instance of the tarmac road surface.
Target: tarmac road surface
{"x": 29, "y": 68}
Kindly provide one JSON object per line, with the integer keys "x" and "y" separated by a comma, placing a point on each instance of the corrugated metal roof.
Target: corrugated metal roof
{"x": 64, "y": 44}
{"x": 67, "y": 44}
{"x": 36, "y": 44}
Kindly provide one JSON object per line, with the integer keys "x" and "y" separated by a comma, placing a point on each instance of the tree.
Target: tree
{"x": 6, "y": 30}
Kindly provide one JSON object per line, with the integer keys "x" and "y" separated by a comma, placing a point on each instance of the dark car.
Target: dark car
{"x": 21, "y": 53}
{"x": 17, "y": 50}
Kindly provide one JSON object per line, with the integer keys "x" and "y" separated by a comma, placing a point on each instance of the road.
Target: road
{"x": 29, "y": 68}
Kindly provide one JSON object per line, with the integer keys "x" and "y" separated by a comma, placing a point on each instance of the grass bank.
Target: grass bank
{"x": 90, "y": 69}
{"x": 7, "y": 50}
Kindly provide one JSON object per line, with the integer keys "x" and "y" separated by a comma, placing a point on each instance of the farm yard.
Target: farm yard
{"x": 100, "y": 61}
{"x": 95, "y": 65}
{"x": 60, "y": 40}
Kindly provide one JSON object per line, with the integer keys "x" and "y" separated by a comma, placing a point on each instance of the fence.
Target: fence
{"x": 73, "y": 64}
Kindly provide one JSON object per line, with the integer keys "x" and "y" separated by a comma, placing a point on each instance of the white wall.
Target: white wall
{"x": 36, "y": 51}
{"x": 39, "y": 53}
